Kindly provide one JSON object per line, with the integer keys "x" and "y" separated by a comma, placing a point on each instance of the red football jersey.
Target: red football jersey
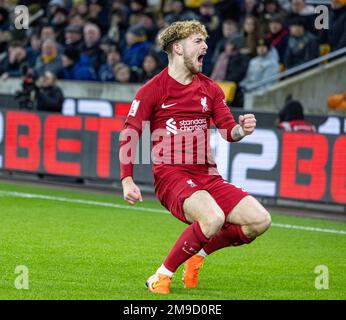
{"x": 179, "y": 117}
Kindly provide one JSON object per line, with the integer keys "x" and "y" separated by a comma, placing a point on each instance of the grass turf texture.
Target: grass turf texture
{"x": 80, "y": 251}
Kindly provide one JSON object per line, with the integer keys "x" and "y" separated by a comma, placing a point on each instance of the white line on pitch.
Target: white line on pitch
{"x": 120, "y": 206}
{"x": 79, "y": 201}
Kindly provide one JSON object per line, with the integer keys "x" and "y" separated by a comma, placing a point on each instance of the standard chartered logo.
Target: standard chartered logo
{"x": 171, "y": 127}
{"x": 193, "y": 125}
{"x": 186, "y": 125}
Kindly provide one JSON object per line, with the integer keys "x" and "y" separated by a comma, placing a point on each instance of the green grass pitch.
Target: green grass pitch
{"x": 76, "y": 250}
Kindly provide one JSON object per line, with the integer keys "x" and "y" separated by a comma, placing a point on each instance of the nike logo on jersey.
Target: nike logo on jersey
{"x": 167, "y": 105}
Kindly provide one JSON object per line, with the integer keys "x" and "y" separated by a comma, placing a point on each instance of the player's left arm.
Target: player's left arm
{"x": 246, "y": 126}
{"x": 224, "y": 120}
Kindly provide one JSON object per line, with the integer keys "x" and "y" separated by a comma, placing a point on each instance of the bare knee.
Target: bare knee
{"x": 251, "y": 216}
{"x": 259, "y": 225}
{"x": 202, "y": 207}
{"x": 212, "y": 223}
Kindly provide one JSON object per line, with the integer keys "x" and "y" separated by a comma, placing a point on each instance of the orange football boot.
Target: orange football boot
{"x": 190, "y": 274}
{"x": 159, "y": 283}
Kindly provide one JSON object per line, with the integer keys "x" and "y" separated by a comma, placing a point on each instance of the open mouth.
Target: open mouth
{"x": 200, "y": 58}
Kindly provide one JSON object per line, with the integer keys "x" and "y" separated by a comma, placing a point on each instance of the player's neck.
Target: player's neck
{"x": 180, "y": 73}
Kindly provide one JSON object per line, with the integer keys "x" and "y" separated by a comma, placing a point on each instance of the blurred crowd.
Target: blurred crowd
{"x": 116, "y": 40}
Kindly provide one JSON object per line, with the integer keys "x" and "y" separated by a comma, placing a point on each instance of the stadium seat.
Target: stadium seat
{"x": 324, "y": 50}
{"x": 282, "y": 67}
{"x": 229, "y": 88}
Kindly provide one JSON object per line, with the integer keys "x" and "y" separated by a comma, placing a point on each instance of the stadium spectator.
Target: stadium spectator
{"x": 151, "y": 67}
{"x": 107, "y": 45}
{"x": 92, "y": 40}
{"x": 156, "y": 48}
{"x": 77, "y": 20}
{"x": 33, "y": 49}
{"x": 179, "y": 12}
{"x": 147, "y": 21}
{"x": 59, "y": 22}
{"x": 137, "y": 7}
{"x": 49, "y": 96}
{"x": 251, "y": 33}
{"x": 220, "y": 67}
{"x": 74, "y": 37}
{"x": 285, "y": 5}
{"x": 218, "y": 213}
{"x": 167, "y": 6}
{"x": 291, "y": 118}
{"x": 337, "y": 31}
{"x": 237, "y": 67}
{"x": 57, "y": 12}
{"x": 230, "y": 31}
{"x": 106, "y": 71}
{"x": 238, "y": 63}
{"x": 249, "y": 8}
{"x": 278, "y": 36}
{"x": 123, "y": 73}
{"x": 98, "y": 13}
{"x": 95, "y": 12}
{"x": 299, "y": 8}
{"x": 231, "y": 64}
{"x": 269, "y": 9}
{"x": 4, "y": 19}
{"x": 5, "y": 35}
{"x": 76, "y": 66}
{"x": 47, "y": 32}
{"x": 118, "y": 21}
{"x": 49, "y": 60}
{"x": 16, "y": 58}
{"x": 55, "y": 5}
{"x": 302, "y": 45}
{"x": 262, "y": 67}
{"x": 137, "y": 46}
{"x": 232, "y": 10}
{"x": 81, "y": 9}
{"x": 209, "y": 18}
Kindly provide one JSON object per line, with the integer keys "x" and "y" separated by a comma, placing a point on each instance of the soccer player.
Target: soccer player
{"x": 181, "y": 102}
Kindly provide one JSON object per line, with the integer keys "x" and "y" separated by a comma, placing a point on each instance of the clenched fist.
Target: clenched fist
{"x": 247, "y": 123}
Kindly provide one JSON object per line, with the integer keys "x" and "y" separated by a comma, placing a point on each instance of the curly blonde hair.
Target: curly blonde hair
{"x": 180, "y": 30}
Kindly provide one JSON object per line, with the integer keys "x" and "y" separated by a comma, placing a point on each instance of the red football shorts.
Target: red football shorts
{"x": 173, "y": 186}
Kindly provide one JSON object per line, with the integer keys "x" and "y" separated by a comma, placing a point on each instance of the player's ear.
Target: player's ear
{"x": 178, "y": 48}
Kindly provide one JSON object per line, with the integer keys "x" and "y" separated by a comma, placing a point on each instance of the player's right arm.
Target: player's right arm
{"x": 129, "y": 137}
{"x": 131, "y": 192}
{"x": 140, "y": 111}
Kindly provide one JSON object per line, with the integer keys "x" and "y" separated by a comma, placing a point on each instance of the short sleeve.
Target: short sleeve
{"x": 142, "y": 106}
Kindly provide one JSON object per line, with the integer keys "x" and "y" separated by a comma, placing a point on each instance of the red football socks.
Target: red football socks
{"x": 229, "y": 235}
{"x": 188, "y": 244}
